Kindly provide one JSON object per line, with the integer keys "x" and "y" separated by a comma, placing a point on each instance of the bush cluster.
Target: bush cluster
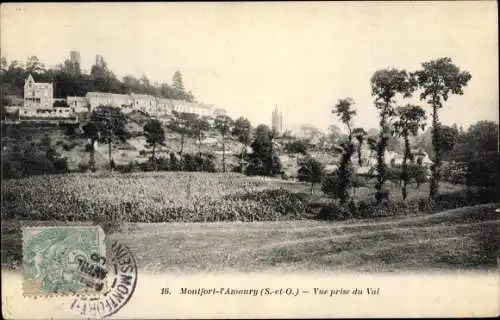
{"x": 369, "y": 209}
{"x": 186, "y": 162}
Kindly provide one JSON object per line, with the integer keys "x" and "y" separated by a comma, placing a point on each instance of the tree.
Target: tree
{"x": 155, "y": 135}
{"x": 478, "y": 149}
{"x": 182, "y": 123}
{"x": 242, "y": 131}
{"x": 177, "y": 82}
{"x": 410, "y": 119}
{"x": 438, "y": 79}
{"x": 385, "y": 85}
{"x": 448, "y": 137}
{"x": 91, "y": 131}
{"x": 224, "y": 125}
{"x": 345, "y": 112}
{"x": 110, "y": 123}
{"x": 312, "y": 171}
{"x": 34, "y": 65}
{"x": 296, "y": 146}
{"x": 264, "y": 159}
{"x": 359, "y": 134}
{"x": 201, "y": 125}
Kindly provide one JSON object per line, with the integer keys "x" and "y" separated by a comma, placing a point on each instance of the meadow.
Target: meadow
{"x": 457, "y": 240}
{"x": 219, "y": 222}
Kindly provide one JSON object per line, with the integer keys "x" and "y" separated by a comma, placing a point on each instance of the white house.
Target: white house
{"x": 37, "y": 95}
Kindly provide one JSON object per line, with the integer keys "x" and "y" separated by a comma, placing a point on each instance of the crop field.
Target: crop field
{"x": 148, "y": 197}
{"x": 460, "y": 239}
{"x": 166, "y": 197}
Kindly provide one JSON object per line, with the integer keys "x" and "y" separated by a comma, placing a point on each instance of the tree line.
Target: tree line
{"x": 475, "y": 150}
{"x": 107, "y": 124}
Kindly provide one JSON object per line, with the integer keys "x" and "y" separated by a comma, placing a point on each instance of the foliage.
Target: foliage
{"x": 410, "y": 119}
{"x": 242, "y": 131}
{"x": 478, "y": 150}
{"x": 183, "y": 124}
{"x": 438, "y": 79}
{"x": 264, "y": 160}
{"x": 296, "y": 146}
{"x": 200, "y": 127}
{"x": 60, "y": 104}
{"x": 359, "y": 134}
{"x": 110, "y": 123}
{"x": 344, "y": 111}
{"x": 385, "y": 85}
{"x": 24, "y": 160}
{"x": 224, "y": 124}
{"x": 311, "y": 170}
{"x": 155, "y": 135}
{"x": 177, "y": 81}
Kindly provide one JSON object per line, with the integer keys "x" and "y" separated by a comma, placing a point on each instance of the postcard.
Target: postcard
{"x": 249, "y": 160}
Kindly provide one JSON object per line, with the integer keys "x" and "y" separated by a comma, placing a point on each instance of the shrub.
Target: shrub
{"x": 83, "y": 167}
{"x": 334, "y": 211}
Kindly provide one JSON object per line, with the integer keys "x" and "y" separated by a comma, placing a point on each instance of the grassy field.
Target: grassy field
{"x": 461, "y": 239}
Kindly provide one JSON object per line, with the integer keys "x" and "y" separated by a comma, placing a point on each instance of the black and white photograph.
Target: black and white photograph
{"x": 249, "y": 159}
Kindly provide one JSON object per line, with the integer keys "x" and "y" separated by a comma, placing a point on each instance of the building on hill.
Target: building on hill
{"x": 202, "y": 110}
{"x": 96, "y": 99}
{"x": 144, "y": 102}
{"x": 219, "y": 112}
{"x": 277, "y": 121}
{"x": 37, "y": 95}
{"x": 74, "y": 57}
{"x": 164, "y": 107}
{"x": 123, "y": 101}
{"x": 78, "y": 104}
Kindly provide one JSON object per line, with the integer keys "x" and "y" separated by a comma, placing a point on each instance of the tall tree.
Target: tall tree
{"x": 242, "y": 131}
{"x": 345, "y": 112}
{"x": 264, "y": 160}
{"x": 111, "y": 124}
{"x": 182, "y": 123}
{"x": 438, "y": 79}
{"x": 385, "y": 85}
{"x": 224, "y": 125}
{"x": 177, "y": 81}
{"x": 200, "y": 127}
{"x": 410, "y": 119}
{"x": 155, "y": 135}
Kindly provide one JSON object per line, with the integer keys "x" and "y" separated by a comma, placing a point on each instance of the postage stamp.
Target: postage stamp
{"x": 120, "y": 280}
{"x": 62, "y": 260}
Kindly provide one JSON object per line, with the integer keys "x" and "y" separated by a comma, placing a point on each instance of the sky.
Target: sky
{"x": 249, "y": 57}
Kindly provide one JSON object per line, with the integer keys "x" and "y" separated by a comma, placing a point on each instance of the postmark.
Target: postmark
{"x": 53, "y": 259}
{"x": 114, "y": 277}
